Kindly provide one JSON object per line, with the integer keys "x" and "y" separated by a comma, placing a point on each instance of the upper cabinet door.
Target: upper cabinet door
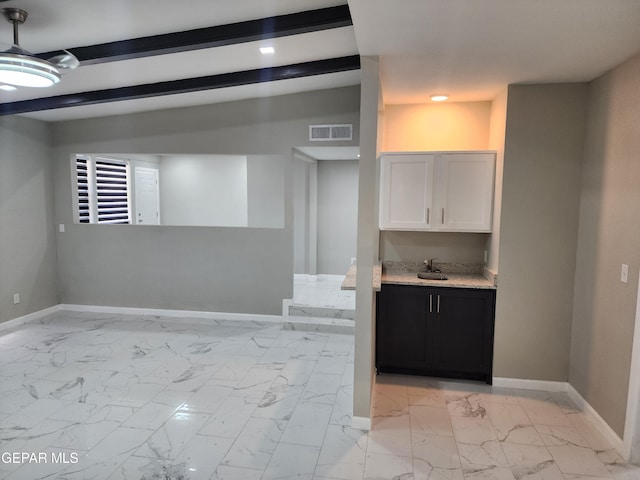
{"x": 406, "y": 191}
{"x": 465, "y": 192}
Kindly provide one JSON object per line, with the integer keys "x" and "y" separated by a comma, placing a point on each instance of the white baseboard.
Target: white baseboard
{"x": 246, "y": 317}
{"x": 525, "y": 384}
{"x": 16, "y": 322}
{"x": 361, "y": 423}
{"x": 602, "y": 426}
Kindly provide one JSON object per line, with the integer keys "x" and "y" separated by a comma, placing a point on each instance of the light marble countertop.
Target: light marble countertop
{"x": 349, "y": 282}
{"x": 406, "y": 273}
{"x": 460, "y": 275}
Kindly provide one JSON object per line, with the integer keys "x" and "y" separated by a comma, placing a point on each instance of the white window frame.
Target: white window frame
{"x": 94, "y": 192}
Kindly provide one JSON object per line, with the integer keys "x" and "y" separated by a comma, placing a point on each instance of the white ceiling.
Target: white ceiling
{"x": 470, "y": 49}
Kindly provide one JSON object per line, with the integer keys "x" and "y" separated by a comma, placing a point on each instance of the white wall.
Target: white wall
{"x": 208, "y": 190}
{"x": 337, "y": 215}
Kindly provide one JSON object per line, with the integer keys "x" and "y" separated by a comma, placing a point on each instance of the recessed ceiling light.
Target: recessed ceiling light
{"x": 439, "y": 98}
{"x": 7, "y": 88}
{"x": 267, "y": 50}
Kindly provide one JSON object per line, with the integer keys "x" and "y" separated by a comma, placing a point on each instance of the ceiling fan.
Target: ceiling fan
{"x": 20, "y": 67}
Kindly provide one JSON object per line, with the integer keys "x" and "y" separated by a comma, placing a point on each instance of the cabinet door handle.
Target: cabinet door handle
{"x": 430, "y": 303}
{"x": 443, "y": 216}
{"x": 438, "y": 307}
{"x": 428, "y": 212}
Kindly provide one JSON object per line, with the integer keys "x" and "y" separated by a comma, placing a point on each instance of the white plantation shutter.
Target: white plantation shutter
{"x": 103, "y": 190}
{"x": 112, "y": 191}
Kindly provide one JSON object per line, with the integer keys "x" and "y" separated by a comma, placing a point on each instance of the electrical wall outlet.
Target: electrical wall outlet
{"x": 16, "y": 298}
{"x": 624, "y": 273}
{"x": 61, "y": 228}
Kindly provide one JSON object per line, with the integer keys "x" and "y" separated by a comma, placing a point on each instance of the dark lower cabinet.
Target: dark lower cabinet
{"x": 435, "y": 331}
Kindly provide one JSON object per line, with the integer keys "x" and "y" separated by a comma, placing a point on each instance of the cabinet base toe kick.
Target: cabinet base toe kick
{"x": 480, "y": 377}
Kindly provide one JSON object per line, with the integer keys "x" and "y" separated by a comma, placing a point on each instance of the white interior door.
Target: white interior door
{"x": 147, "y": 196}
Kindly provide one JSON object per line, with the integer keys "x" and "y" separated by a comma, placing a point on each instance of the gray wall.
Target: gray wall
{"x": 265, "y": 190}
{"x": 371, "y": 138}
{"x": 445, "y": 246}
{"x": 27, "y": 235}
{"x": 203, "y": 190}
{"x": 539, "y": 229}
{"x": 303, "y": 173}
{"x": 337, "y": 215}
{"x": 229, "y": 269}
{"x": 609, "y": 235}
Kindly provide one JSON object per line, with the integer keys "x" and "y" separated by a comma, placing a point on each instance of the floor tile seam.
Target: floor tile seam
{"x": 458, "y": 456}
{"x": 324, "y": 439}
{"x": 376, "y": 455}
{"x": 565, "y": 442}
{"x": 413, "y": 445}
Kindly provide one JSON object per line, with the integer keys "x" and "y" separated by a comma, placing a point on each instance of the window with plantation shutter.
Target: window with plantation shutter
{"x": 112, "y": 191}
{"x": 103, "y": 190}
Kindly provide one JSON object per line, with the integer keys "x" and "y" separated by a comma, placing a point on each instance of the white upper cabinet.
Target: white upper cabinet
{"x": 437, "y": 191}
{"x": 406, "y": 191}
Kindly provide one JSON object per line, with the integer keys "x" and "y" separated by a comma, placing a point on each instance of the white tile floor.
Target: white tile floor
{"x": 322, "y": 291}
{"x": 120, "y": 397}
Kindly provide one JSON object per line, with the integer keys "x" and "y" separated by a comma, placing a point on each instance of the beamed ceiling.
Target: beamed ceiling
{"x": 151, "y": 54}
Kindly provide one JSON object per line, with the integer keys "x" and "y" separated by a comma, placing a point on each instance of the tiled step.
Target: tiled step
{"x": 319, "y": 324}
{"x": 321, "y": 312}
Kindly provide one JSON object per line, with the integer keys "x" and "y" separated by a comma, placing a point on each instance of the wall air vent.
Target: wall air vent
{"x": 330, "y": 133}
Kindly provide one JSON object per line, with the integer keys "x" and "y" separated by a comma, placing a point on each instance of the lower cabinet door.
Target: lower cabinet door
{"x": 403, "y": 329}
{"x": 463, "y": 331}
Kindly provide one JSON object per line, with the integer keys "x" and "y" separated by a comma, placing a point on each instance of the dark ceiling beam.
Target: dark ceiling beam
{"x": 187, "y": 85}
{"x": 216, "y": 36}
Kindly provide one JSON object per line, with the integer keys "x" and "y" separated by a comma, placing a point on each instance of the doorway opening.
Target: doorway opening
{"x": 325, "y": 214}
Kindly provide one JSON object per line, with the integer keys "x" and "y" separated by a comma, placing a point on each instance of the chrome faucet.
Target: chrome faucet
{"x": 429, "y": 264}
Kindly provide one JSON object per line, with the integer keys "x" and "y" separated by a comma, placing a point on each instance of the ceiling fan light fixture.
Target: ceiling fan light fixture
{"x": 21, "y": 68}
{"x": 24, "y": 71}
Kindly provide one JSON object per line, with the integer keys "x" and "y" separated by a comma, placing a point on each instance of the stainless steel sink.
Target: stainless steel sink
{"x": 432, "y": 276}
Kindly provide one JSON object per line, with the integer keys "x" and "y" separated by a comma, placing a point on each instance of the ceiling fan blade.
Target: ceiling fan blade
{"x": 65, "y": 61}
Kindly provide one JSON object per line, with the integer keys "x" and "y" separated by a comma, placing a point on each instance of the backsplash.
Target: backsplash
{"x": 403, "y": 246}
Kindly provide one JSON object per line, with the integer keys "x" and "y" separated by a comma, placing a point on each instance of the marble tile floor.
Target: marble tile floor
{"x": 96, "y": 396}
{"x": 321, "y": 296}
{"x": 446, "y": 430}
